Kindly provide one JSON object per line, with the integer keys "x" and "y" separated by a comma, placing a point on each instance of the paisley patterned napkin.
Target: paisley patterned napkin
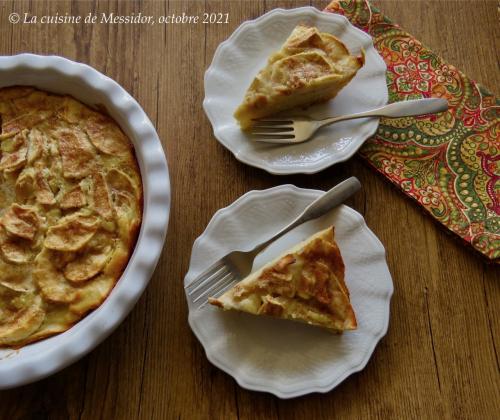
{"x": 449, "y": 163}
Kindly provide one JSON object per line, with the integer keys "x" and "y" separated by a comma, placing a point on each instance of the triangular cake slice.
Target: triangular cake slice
{"x": 305, "y": 284}
{"x": 311, "y": 67}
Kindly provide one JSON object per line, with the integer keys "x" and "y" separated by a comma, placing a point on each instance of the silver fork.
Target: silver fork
{"x": 283, "y": 130}
{"x": 235, "y": 266}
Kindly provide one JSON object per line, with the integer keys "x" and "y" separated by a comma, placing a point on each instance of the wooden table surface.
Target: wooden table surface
{"x": 440, "y": 356}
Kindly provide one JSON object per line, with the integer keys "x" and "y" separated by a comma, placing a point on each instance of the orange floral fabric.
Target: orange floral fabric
{"x": 448, "y": 163}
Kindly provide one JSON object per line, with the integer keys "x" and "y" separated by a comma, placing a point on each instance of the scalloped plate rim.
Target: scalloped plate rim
{"x": 63, "y": 349}
{"x": 318, "y": 166}
{"x": 300, "y": 389}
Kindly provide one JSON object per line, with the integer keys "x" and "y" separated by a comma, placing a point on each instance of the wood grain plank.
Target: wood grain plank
{"x": 460, "y": 31}
{"x": 440, "y": 357}
{"x": 6, "y": 8}
{"x": 195, "y": 389}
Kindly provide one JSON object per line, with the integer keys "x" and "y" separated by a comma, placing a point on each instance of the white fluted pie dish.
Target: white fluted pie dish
{"x": 59, "y": 75}
{"x": 238, "y": 59}
{"x": 285, "y": 358}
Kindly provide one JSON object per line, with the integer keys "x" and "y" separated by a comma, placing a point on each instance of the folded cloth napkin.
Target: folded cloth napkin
{"x": 448, "y": 163}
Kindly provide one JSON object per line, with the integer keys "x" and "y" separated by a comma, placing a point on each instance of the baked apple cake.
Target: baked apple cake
{"x": 70, "y": 212}
{"x": 311, "y": 67}
{"x": 305, "y": 284}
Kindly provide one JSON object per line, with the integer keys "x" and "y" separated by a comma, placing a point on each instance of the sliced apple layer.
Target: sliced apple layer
{"x": 311, "y": 67}
{"x": 305, "y": 284}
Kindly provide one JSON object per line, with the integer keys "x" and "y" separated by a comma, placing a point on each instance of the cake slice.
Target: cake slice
{"x": 305, "y": 284}
{"x": 311, "y": 67}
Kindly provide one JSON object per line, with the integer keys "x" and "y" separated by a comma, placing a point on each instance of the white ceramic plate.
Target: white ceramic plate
{"x": 59, "y": 75}
{"x": 281, "y": 357}
{"x": 238, "y": 59}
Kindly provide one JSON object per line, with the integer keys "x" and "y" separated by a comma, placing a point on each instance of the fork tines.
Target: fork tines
{"x": 272, "y": 129}
{"x": 211, "y": 282}
{"x": 270, "y": 122}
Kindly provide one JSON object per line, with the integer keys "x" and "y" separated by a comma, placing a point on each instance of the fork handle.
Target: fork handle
{"x": 317, "y": 208}
{"x": 397, "y": 109}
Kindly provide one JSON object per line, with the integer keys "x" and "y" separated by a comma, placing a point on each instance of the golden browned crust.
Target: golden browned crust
{"x": 311, "y": 67}
{"x": 70, "y": 212}
{"x": 306, "y": 284}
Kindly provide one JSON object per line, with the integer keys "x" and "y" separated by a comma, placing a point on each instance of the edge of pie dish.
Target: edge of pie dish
{"x": 238, "y": 59}
{"x": 285, "y": 358}
{"x": 62, "y": 76}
